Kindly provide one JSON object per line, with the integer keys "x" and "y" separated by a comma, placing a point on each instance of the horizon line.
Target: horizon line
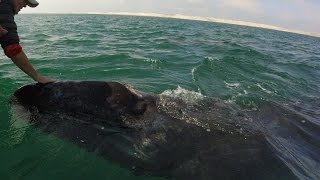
{"x": 197, "y": 18}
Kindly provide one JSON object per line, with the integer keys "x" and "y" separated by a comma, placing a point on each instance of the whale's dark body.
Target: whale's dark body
{"x": 129, "y": 128}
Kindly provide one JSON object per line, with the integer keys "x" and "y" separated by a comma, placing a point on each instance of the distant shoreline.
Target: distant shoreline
{"x": 199, "y": 18}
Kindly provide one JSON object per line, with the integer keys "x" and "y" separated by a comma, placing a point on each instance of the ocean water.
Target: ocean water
{"x": 242, "y": 65}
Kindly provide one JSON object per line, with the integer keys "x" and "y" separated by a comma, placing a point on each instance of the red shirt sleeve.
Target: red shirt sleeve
{"x": 12, "y": 50}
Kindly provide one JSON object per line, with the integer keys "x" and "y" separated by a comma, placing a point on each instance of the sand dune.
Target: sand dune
{"x": 211, "y": 19}
{"x": 199, "y": 18}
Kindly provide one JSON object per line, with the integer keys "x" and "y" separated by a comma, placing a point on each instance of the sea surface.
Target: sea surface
{"x": 243, "y": 65}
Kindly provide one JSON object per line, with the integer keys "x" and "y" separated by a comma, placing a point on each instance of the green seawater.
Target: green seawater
{"x": 244, "y": 65}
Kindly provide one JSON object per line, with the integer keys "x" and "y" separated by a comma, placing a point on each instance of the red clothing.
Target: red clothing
{"x": 12, "y": 50}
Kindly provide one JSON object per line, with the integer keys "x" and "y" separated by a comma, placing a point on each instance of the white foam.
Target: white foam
{"x": 232, "y": 85}
{"x": 154, "y": 61}
{"x": 264, "y": 89}
{"x": 189, "y": 97}
{"x": 209, "y": 58}
{"x": 192, "y": 73}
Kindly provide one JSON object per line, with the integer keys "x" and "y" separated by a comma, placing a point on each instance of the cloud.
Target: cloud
{"x": 251, "y": 6}
{"x": 297, "y": 14}
{"x": 195, "y": 1}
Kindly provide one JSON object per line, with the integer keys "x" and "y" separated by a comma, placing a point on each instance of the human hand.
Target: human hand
{"x": 3, "y": 32}
{"x": 43, "y": 80}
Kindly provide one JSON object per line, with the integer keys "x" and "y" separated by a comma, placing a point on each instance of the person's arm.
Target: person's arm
{"x": 22, "y": 61}
{"x": 9, "y": 40}
{"x": 18, "y": 56}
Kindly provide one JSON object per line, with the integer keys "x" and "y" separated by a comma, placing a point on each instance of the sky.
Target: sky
{"x": 303, "y": 15}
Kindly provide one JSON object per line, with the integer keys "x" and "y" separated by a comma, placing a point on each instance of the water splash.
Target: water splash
{"x": 206, "y": 112}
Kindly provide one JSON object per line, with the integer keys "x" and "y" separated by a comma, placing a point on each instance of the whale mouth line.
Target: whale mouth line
{"x": 134, "y": 91}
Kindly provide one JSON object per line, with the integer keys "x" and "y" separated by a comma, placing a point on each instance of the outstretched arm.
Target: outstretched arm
{"x": 22, "y": 61}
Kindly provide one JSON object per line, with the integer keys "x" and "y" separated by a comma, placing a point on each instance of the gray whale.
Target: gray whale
{"x": 137, "y": 131}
